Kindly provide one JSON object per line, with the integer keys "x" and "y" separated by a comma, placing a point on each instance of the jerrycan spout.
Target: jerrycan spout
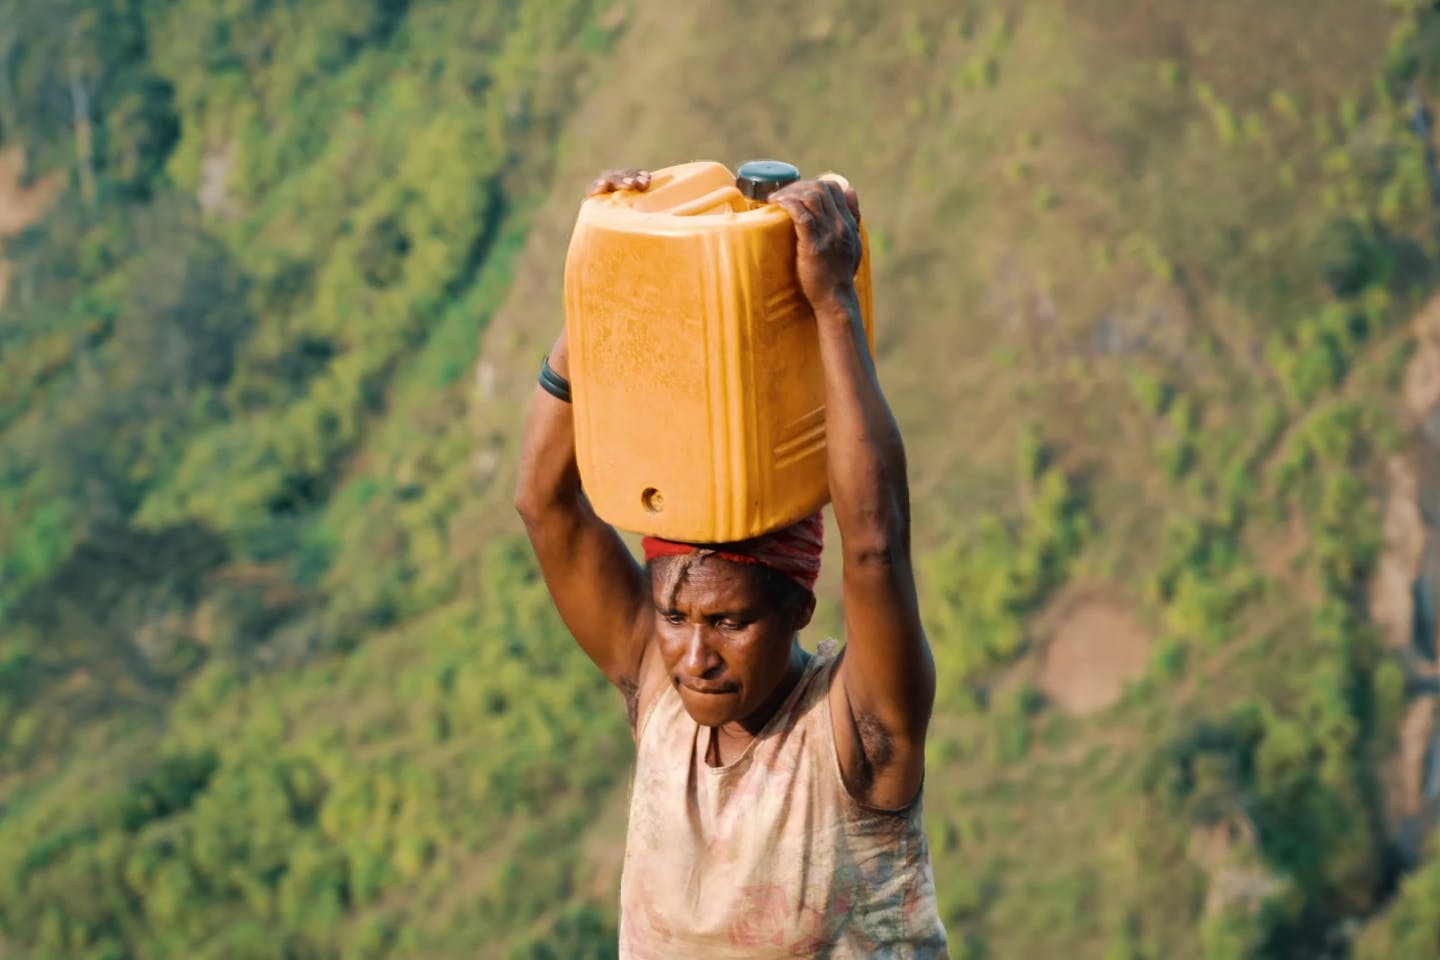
{"x": 757, "y": 179}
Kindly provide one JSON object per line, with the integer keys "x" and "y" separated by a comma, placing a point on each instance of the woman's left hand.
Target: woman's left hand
{"x": 827, "y": 222}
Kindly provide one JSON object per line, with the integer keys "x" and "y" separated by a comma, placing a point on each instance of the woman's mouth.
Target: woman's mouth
{"x": 710, "y": 689}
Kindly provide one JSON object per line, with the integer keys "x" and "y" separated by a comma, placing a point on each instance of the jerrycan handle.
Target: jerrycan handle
{"x": 721, "y": 197}
{"x": 757, "y": 179}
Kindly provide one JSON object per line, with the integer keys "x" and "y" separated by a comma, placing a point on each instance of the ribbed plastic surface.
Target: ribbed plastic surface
{"x": 694, "y": 361}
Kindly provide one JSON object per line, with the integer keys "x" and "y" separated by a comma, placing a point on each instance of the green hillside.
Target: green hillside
{"x": 278, "y": 677}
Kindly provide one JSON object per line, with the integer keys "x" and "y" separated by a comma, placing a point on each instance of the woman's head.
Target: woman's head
{"x": 727, "y": 615}
{"x": 725, "y": 630}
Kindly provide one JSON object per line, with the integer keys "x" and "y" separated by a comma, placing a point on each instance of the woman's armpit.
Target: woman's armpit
{"x": 649, "y": 683}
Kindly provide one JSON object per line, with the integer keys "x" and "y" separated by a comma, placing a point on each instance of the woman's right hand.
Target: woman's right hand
{"x": 612, "y": 180}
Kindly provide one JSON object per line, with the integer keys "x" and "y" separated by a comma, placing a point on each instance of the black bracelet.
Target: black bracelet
{"x": 552, "y": 383}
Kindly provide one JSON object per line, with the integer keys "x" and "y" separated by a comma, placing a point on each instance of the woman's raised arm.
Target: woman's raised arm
{"x": 887, "y": 675}
{"x": 601, "y": 592}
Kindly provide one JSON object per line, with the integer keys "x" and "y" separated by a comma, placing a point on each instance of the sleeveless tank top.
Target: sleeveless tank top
{"x": 768, "y": 856}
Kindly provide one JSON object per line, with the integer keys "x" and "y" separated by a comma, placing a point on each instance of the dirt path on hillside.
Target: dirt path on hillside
{"x": 1403, "y": 595}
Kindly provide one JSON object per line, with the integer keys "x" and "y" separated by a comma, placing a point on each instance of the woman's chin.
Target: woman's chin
{"x": 709, "y": 709}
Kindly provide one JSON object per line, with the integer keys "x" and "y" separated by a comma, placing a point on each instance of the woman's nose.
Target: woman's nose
{"x": 699, "y": 658}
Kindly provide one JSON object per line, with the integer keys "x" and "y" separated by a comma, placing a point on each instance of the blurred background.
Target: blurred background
{"x": 1153, "y": 280}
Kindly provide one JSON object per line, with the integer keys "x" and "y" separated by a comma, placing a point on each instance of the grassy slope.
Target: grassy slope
{"x": 1066, "y": 206}
{"x": 355, "y": 773}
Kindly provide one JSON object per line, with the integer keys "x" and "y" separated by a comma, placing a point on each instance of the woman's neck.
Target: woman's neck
{"x": 728, "y": 741}
{"x": 747, "y": 728}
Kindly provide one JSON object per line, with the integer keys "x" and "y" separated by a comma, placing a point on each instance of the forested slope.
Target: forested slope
{"x": 277, "y": 677}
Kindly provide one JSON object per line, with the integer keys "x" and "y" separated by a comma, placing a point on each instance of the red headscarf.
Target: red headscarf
{"x": 792, "y": 551}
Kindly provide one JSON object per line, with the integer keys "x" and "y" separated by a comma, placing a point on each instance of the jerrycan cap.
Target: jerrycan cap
{"x": 757, "y": 179}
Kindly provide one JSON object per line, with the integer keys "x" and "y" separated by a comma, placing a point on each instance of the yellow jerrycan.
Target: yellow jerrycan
{"x": 699, "y": 399}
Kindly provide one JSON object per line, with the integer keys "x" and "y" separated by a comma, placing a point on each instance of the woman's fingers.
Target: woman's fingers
{"x": 844, "y": 209}
{"x": 632, "y": 178}
{"x": 818, "y": 209}
{"x": 791, "y": 199}
{"x": 803, "y": 219}
{"x": 828, "y": 248}
{"x": 831, "y": 201}
{"x": 852, "y": 199}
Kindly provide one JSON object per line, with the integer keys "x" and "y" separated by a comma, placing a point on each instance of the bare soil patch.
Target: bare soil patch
{"x": 22, "y": 204}
{"x": 1420, "y": 388}
{"x": 1098, "y": 646}
{"x": 1392, "y": 593}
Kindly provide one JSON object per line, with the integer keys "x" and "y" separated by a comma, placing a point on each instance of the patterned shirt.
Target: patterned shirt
{"x": 768, "y": 856}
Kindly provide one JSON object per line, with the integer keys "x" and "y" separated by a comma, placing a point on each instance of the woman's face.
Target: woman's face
{"x": 725, "y": 642}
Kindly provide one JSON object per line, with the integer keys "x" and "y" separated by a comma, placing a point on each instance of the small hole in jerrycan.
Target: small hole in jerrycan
{"x": 651, "y": 499}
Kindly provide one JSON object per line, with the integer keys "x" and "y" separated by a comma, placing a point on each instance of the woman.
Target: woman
{"x": 775, "y": 809}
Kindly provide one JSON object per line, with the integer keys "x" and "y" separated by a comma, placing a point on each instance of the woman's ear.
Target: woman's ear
{"x": 804, "y": 612}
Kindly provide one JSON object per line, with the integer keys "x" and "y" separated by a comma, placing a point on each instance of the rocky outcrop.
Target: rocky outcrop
{"x": 1244, "y": 895}
{"x": 1403, "y": 598}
